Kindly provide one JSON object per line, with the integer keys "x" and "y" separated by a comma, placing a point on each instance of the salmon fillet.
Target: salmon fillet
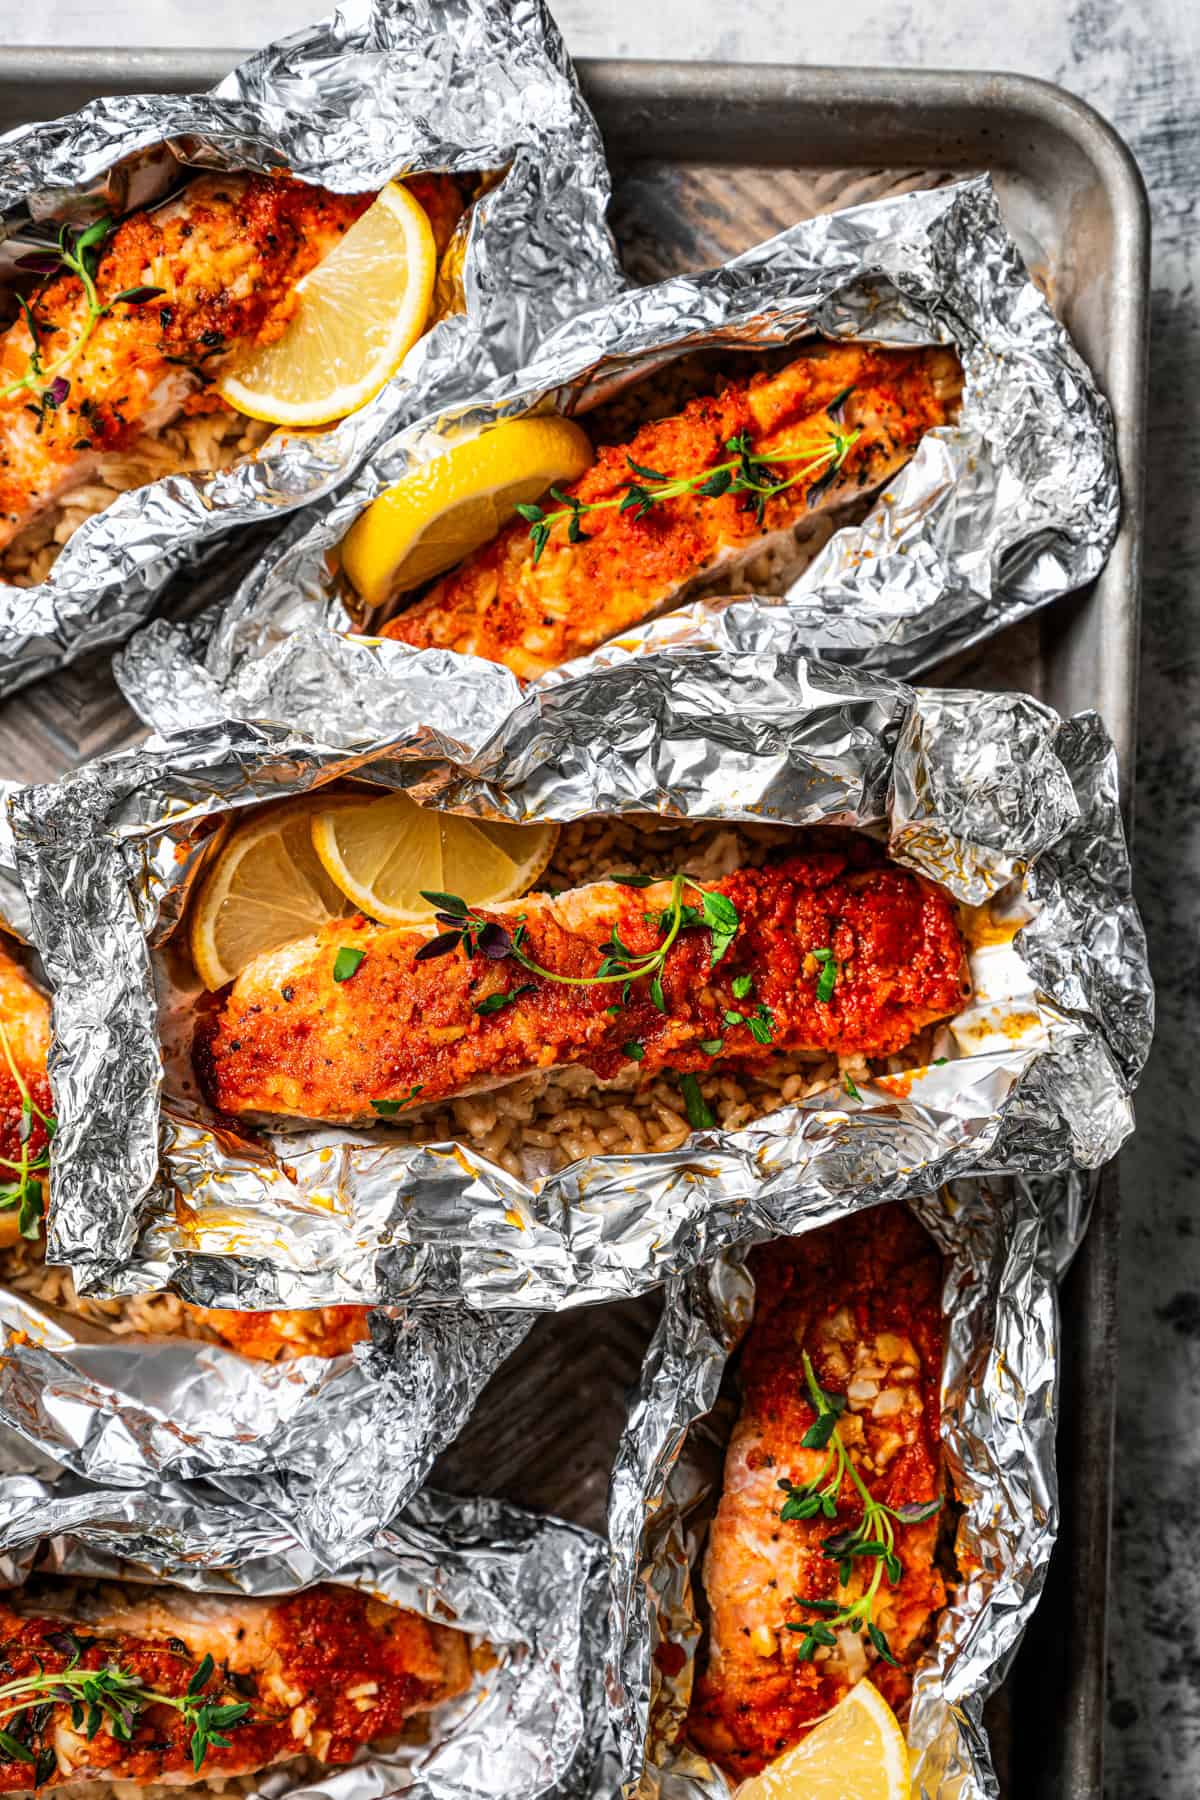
{"x": 25, "y": 1020}
{"x": 285, "y": 1333}
{"x": 219, "y": 267}
{"x": 320, "y": 1673}
{"x": 863, "y": 1298}
{"x": 831, "y": 950}
{"x": 267, "y": 1336}
{"x": 503, "y": 605}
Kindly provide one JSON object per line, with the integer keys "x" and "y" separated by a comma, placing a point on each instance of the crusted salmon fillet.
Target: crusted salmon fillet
{"x": 287, "y": 1332}
{"x": 25, "y": 1020}
{"x": 863, "y": 1299}
{"x": 532, "y": 613}
{"x": 213, "y": 272}
{"x": 829, "y": 950}
{"x": 318, "y": 1673}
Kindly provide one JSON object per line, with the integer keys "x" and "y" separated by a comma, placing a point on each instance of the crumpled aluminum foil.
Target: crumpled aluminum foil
{"x": 381, "y": 88}
{"x": 332, "y": 1446}
{"x": 990, "y": 794}
{"x": 992, "y": 518}
{"x": 999, "y": 1411}
{"x": 532, "y": 1725}
{"x": 14, "y": 913}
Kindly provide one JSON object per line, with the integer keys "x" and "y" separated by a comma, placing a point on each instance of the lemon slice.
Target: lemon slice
{"x": 359, "y": 313}
{"x": 856, "y": 1753}
{"x": 383, "y": 854}
{"x": 265, "y": 888}
{"x": 448, "y": 507}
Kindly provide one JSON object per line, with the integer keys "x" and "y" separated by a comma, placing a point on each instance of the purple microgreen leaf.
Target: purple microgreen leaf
{"x": 441, "y": 945}
{"x": 495, "y": 942}
{"x": 916, "y": 1510}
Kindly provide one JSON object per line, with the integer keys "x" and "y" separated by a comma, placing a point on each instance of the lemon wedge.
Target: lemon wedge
{"x": 265, "y": 888}
{"x": 857, "y": 1752}
{"x": 383, "y": 854}
{"x": 446, "y": 508}
{"x": 358, "y": 314}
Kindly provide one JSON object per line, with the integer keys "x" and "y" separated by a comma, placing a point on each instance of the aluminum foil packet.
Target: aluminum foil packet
{"x": 379, "y": 89}
{"x": 1014, "y": 505}
{"x": 991, "y": 795}
{"x": 528, "y": 1590}
{"x": 333, "y": 1446}
{"x": 14, "y": 913}
{"x": 999, "y": 1410}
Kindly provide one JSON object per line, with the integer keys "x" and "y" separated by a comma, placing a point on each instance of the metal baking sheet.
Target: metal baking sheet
{"x": 707, "y": 160}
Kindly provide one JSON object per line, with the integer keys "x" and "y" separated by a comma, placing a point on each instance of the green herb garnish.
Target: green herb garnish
{"x": 873, "y": 1539}
{"x": 698, "y": 1114}
{"x": 848, "y": 1084}
{"x": 77, "y": 255}
{"x": 495, "y": 1002}
{"x": 712, "y": 1046}
{"x": 115, "y": 1697}
{"x": 827, "y": 980}
{"x": 387, "y": 1109}
{"x": 346, "y": 962}
{"x": 746, "y": 472}
{"x": 762, "y": 1026}
{"x": 760, "y": 1023}
{"x": 26, "y": 1193}
{"x": 743, "y": 987}
{"x": 633, "y": 1051}
{"x": 618, "y": 963}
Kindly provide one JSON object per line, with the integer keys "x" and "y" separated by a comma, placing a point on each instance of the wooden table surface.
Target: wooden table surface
{"x": 1139, "y": 63}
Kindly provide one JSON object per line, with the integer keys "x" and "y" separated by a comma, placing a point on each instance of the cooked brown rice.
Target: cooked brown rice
{"x": 23, "y": 1269}
{"x": 214, "y": 440}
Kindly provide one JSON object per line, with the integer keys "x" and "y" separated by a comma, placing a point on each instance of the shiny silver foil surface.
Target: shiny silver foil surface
{"x": 381, "y": 88}
{"x": 332, "y": 1446}
{"x": 993, "y": 517}
{"x": 530, "y": 1588}
{"x": 992, "y": 795}
{"x": 999, "y": 1412}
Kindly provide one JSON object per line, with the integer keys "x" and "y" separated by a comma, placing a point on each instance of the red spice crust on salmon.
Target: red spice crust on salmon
{"x": 834, "y": 950}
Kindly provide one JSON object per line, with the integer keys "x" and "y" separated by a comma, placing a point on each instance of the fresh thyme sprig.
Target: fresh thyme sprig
{"x": 873, "y": 1539}
{"x": 25, "y": 1193}
{"x": 619, "y": 963}
{"x": 76, "y": 255}
{"x": 115, "y": 1697}
{"x": 746, "y": 472}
